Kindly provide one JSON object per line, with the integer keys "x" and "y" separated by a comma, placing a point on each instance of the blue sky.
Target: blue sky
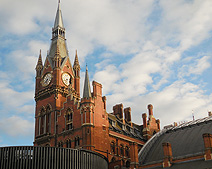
{"x": 142, "y": 51}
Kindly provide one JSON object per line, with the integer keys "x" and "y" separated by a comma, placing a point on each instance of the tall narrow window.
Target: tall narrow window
{"x": 113, "y": 147}
{"x": 48, "y": 119}
{"x": 127, "y": 153}
{"x": 68, "y": 143}
{"x": 42, "y": 121}
{"x": 69, "y": 120}
{"x": 77, "y": 141}
{"x": 122, "y": 150}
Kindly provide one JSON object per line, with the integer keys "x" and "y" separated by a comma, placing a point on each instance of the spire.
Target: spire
{"x": 39, "y": 65}
{"x": 87, "y": 89}
{"x": 76, "y": 61}
{"x": 58, "y": 18}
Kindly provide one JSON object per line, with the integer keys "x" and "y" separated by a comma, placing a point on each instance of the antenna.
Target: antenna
{"x": 193, "y": 114}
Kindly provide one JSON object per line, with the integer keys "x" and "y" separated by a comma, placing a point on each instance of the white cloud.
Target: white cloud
{"x": 16, "y": 126}
{"x": 202, "y": 65}
{"x": 196, "y": 67}
{"x": 174, "y": 103}
{"x": 13, "y": 100}
{"x": 149, "y": 51}
{"x": 185, "y": 22}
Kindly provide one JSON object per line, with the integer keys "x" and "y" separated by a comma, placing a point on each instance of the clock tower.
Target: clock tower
{"x": 55, "y": 80}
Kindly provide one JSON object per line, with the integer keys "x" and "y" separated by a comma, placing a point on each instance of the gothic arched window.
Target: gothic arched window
{"x": 69, "y": 119}
{"x": 113, "y": 147}
{"x": 122, "y": 150}
{"x": 48, "y": 119}
{"x": 127, "y": 151}
{"x": 77, "y": 141}
{"x": 68, "y": 143}
{"x": 42, "y": 121}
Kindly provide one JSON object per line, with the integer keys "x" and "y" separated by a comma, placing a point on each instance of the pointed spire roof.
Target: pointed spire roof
{"x": 76, "y": 60}
{"x": 39, "y": 65}
{"x": 58, "y": 19}
{"x": 87, "y": 89}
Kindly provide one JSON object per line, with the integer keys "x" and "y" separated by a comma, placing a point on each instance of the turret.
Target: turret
{"x": 39, "y": 66}
{"x": 87, "y": 88}
{"x": 76, "y": 68}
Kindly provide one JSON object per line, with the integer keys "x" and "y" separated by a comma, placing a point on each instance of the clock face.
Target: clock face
{"x": 66, "y": 78}
{"x": 47, "y": 79}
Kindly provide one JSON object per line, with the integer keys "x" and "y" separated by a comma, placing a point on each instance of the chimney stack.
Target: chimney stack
{"x": 118, "y": 110}
{"x": 150, "y": 108}
{"x": 144, "y": 116}
{"x": 127, "y": 114}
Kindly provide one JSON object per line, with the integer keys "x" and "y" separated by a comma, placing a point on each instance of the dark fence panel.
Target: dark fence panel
{"x": 29, "y": 157}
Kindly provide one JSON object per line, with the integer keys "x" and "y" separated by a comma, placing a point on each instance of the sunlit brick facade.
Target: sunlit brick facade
{"x": 65, "y": 119}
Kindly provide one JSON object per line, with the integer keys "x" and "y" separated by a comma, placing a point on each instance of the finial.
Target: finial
{"x": 76, "y": 51}
{"x": 40, "y": 51}
{"x": 86, "y": 67}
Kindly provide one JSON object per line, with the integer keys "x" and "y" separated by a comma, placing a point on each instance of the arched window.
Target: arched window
{"x": 77, "y": 141}
{"x": 69, "y": 119}
{"x": 113, "y": 147}
{"x": 48, "y": 119}
{"x": 127, "y": 153}
{"x": 42, "y": 121}
{"x": 68, "y": 143}
{"x": 121, "y": 150}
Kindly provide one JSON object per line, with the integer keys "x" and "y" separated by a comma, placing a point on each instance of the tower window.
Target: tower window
{"x": 69, "y": 120}
{"x": 48, "y": 119}
{"x": 122, "y": 150}
{"x": 113, "y": 147}
{"x": 127, "y": 151}
{"x": 77, "y": 141}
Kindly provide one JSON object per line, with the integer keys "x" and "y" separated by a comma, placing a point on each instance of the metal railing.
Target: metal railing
{"x": 30, "y": 157}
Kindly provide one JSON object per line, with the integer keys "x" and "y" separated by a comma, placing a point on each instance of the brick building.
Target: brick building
{"x": 65, "y": 119}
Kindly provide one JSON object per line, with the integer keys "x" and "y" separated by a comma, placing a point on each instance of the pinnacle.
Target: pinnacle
{"x": 76, "y": 61}
{"x": 39, "y": 63}
{"x": 40, "y": 59}
{"x": 87, "y": 89}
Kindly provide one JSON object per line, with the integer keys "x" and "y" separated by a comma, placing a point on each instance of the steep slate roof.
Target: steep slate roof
{"x": 58, "y": 40}
{"x": 186, "y": 140}
{"x": 116, "y": 124}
